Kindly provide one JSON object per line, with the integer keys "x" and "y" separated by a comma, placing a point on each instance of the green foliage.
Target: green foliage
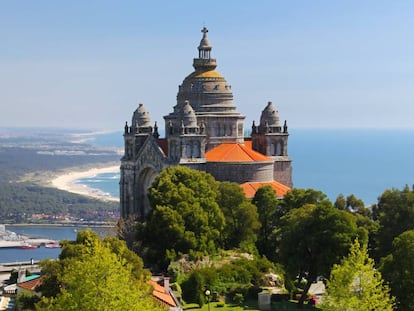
{"x": 194, "y": 214}
{"x": 176, "y": 288}
{"x": 352, "y": 204}
{"x": 395, "y": 214}
{"x": 241, "y": 217}
{"x": 247, "y": 272}
{"x": 27, "y": 301}
{"x": 269, "y": 210}
{"x": 398, "y": 269}
{"x": 340, "y": 202}
{"x": 355, "y": 285}
{"x": 18, "y": 201}
{"x": 297, "y": 198}
{"x": 164, "y": 234}
{"x": 52, "y": 271}
{"x": 127, "y": 231}
{"x": 94, "y": 274}
{"x": 195, "y": 286}
{"x": 238, "y": 298}
{"x": 240, "y": 276}
{"x": 313, "y": 238}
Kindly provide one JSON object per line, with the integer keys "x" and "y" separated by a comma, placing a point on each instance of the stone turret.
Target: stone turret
{"x": 269, "y": 120}
{"x": 269, "y": 139}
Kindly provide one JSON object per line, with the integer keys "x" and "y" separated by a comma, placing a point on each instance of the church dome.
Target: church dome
{"x": 270, "y": 116}
{"x": 141, "y": 117}
{"x": 205, "y": 88}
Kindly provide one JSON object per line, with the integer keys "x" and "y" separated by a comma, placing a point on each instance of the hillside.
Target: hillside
{"x": 29, "y": 158}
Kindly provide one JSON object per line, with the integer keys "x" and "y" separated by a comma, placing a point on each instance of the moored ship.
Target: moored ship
{"x": 27, "y": 246}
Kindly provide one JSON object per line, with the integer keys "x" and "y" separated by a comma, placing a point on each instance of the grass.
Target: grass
{"x": 248, "y": 305}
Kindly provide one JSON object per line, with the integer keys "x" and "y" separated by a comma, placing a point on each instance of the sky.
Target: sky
{"x": 87, "y": 64}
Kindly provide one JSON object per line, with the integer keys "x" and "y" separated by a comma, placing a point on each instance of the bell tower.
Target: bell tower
{"x": 271, "y": 139}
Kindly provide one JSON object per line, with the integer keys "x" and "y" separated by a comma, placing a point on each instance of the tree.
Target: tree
{"x": 395, "y": 214}
{"x": 194, "y": 287}
{"x": 398, "y": 269}
{"x": 241, "y": 217}
{"x": 313, "y": 238}
{"x": 340, "y": 202}
{"x": 185, "y": 215}
{"x": 352, "y": 204}
{"x": 297, "y": 198}
{"x": 126, "y": 230}
{"x": 362, "y": 214}
{"x": 269, "y": 214}
{"x": 94, "y": 274}
{"x": 355, "y": 285}
{"x": 164, "y": 234}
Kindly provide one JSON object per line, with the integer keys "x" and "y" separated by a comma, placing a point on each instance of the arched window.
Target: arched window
{"x": 196, "y": 150}
{"x": 188, "y": 150}
{"x": 272, "y": 149}
{"x": 229, "y": 130}
{"x": 279, "y": 149}
{"x": 174, "y": 150}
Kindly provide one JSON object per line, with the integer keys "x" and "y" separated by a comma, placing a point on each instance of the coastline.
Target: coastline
{"x": 67, "y": 182}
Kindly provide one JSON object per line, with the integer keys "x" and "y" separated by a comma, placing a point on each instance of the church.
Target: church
{"x": 204, "y": 132}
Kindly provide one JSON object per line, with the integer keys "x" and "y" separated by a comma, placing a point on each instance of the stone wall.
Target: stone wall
{"x": 241, "y": 172}
{"x": 283, "y": 171}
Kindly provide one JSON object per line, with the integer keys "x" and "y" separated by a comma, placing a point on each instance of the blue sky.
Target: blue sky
{"x": 87, "y": 64}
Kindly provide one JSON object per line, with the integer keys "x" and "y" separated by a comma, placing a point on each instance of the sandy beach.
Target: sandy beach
{"x": 67, "y": 182}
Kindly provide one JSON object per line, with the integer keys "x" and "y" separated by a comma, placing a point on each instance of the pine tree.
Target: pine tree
{"x": 355, "y": 285}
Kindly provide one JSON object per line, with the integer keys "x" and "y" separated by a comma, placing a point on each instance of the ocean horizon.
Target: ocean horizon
{"x": 363, "y": 162}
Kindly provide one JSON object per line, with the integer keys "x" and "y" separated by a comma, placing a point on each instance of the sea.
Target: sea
{"x": 363, "y": 162}
{"x": 107, "y": 183}
{"x": 11, "y": 255}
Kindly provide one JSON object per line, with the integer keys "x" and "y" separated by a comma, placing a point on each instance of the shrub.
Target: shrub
{"x": 238, "y": 298}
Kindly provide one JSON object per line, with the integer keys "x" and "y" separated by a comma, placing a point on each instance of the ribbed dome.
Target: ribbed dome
{"x": 205, "y": 88}
{"x": 188, "y": 116}
{"x": 270, "y": 116}
{"x": 141, "y": 117}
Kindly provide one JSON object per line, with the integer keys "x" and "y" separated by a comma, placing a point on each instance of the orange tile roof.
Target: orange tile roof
{"x": 250, "y": 188}
{"x": 234, "y": 152}
{"x": 248, "y": 143}
{"x": 160, "y": 294}
{"x": 31, "y": 285}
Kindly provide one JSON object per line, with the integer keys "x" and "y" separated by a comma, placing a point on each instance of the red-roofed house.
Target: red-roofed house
{"x": 30, "y": 286}
{"x": 204, "y": 132}
{"x": 163, "y": 293}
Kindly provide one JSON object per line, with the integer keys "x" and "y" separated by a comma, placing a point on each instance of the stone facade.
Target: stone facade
{"x": 204, "y": 118}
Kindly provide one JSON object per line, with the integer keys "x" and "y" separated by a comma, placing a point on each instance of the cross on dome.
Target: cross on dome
{"x": 204, "y": 48}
